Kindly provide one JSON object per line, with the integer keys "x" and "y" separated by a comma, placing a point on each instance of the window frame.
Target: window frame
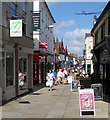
{"x": 96, "y": 38}
{"x": 103, "y": 31}
{"x": 13, "y": 68}
{"x": 14, "y": 10}
{"x": 109, "y": 25}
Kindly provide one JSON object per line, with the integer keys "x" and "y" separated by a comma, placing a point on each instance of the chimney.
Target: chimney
{"x": 62, "y": 41}
{"x": 95, "y": 19}
{"x": 56, "y": 39}
{"x": 66, "y": 48}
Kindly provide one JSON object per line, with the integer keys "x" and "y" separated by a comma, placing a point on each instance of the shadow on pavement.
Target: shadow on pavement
{"x": 31, "y": 91}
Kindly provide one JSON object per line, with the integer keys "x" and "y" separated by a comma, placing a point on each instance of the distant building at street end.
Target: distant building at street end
{"x": 88, "y": 54}
{"x": 101, "y": 50}
{"x": 61, "y": 55}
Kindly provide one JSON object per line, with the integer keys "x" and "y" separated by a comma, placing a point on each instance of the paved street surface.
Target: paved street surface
{"x": 59, "y": 103}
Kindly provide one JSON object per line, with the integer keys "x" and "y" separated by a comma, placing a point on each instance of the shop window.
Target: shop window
{"x": 22, "y": 72}
{"x": 109, "y": 26}
{"x": 35, "y": 70}
{"x": 9, "y": 69}
{"x": 89, "y": 69}
{"x": 103, "y": 32}
{"x": 96, "y": 38}
{"x": 24, "y": 29}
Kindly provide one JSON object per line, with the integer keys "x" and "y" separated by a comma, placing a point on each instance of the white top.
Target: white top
{"x": 59, "y": 74}
{"x": 50, "y": 76}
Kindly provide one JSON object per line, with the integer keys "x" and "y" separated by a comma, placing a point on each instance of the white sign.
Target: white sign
{"x": 86, "y": 100}
{"x": 15, "y": 28}
{"x": 69, "y": 79}
{"x": 61, "y": 57}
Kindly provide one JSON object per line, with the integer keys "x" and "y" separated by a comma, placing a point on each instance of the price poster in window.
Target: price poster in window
{"x": 86, "y": 98}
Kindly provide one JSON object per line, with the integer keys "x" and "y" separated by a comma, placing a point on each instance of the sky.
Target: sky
{"x": 72, "y": 27}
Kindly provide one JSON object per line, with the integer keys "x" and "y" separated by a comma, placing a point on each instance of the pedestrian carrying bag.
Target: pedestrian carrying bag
{"x": 47, "y": 83}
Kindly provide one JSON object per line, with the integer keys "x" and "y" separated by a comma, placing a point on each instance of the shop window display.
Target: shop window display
{"x": 22, "y": 72}
{"x": 9, "y": 69}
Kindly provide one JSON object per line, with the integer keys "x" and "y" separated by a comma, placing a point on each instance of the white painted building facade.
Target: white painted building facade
{"x": 88, "y": 56}
{"x": 46, "y": 27}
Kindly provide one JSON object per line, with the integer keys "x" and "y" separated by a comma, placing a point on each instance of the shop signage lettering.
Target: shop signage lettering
{"x": 86, "y": 99}
{"x": 43, "y": 45}
{"x": 15, "y": 28}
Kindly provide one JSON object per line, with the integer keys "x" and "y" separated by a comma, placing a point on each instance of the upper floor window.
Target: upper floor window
{"x": 14, "y": 8}
{"x": 109, "y": 26}
{"x": 96, "y": 38}
{"x": 103, "y": 32}
{"x": 24, "y": 5}
{"x": 42, "y": 15}
{"x": 24, "y": 29}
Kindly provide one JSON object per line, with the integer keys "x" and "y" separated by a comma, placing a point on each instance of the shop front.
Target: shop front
{"x": 102, "y": 66}
{"x": 12, "y": 66}
{"x": 39, "y": 68}
{"x": 8, "y": 70}
{"x": 17, "y": 57}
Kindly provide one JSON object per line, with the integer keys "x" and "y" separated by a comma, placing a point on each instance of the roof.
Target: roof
{"x": 49, "y": 11}
{"x": 101, "y": 16}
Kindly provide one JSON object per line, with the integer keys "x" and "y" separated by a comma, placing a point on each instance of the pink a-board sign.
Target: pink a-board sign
{"x": 86, "y": 100}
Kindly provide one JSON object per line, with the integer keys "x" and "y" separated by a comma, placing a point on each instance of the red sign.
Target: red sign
{"x": 43, "y": 45}
{"x": 86, "y": 100}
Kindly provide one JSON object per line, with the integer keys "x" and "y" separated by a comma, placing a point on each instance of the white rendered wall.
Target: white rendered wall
{"x": 46, "y": 33}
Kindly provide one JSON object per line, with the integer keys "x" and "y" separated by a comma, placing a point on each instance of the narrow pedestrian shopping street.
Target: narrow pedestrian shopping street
{"x": 54, "y": 59}
{"x": 59, "y": 103}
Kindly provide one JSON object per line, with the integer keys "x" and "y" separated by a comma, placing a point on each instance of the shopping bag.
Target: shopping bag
{"x": 47, "y": 83}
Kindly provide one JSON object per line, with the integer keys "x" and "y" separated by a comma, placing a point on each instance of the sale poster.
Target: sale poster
{"x": 86, "y": 100}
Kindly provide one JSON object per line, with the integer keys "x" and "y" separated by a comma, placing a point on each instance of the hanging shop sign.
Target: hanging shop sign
{"x": 36, "y": 21}
{"x": 86, "y": 99}
{"x": 15, "y": 28}
{"x": 43, "y": 45}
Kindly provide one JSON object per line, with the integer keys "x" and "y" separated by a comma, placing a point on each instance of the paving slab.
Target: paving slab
{"x": 60, "y": 103}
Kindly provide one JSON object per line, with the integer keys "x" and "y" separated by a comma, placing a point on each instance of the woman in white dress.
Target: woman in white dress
{"x": 50, "y": 79}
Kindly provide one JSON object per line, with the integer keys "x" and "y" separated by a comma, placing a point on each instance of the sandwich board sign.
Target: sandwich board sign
{"x": 74, "y": 86}
{"x": 15, "y": 28}
{"x": 70, "y": 79}
{"x": 86, "y": 100}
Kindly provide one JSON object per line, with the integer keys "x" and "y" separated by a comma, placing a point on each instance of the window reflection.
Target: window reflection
{"x": 9, "y": 69}
{"x": 22, "y": 72}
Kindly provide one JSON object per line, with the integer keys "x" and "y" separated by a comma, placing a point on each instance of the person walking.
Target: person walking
{"x": 65, "y": 75}
{"x": 54, "y": 79}
{"x": 50, "y": 79}
{"x": 59, "y": 76}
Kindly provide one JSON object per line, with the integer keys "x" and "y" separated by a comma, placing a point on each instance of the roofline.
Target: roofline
{"x": 49, "y": 11}
{"x": 100, "y": 17}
